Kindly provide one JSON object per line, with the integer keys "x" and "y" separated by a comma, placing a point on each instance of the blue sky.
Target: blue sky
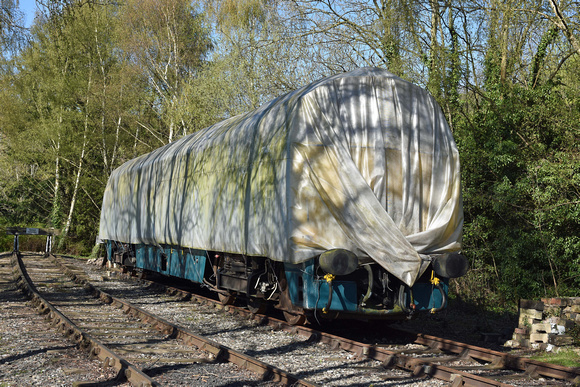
{"x": 29, "y": 9}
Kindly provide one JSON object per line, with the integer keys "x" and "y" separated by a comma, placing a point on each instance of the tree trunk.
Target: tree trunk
{"x": 79, "y": 170}
{"x": 75, "y": 190}
{"x": 55, "y": 213}
{"x": 561, "y": 23}
{"x": 434, "y": 81}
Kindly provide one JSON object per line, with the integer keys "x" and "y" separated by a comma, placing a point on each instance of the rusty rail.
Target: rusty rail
{"x": 125, "y": 369}
{"x": 504, "y": 360}
{"x": 221, "y": 352}
{"x": 416, "y": 366}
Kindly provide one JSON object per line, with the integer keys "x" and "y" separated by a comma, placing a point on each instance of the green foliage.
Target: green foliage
{"x": 6, "y": 242}
{"x": 574, "y": 332}
{"x": 239, "y": 14}
{"x": 78, "y": 105}
{"x": 521, "y": 171}
{"x": 167, "y": 42}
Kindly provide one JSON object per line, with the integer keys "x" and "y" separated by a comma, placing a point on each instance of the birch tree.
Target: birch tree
{"x": 167, "y": 41}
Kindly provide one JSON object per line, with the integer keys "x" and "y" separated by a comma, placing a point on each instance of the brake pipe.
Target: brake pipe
{"x": 328, "y": 277}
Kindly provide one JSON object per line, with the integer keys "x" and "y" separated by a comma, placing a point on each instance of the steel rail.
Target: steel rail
{"x": 221, "y": 352}
{"x": 500, "y": 359}
{"x": 416, "y": 366}
{"x": 496, "y": 358}
{"x": 125, "y": 369}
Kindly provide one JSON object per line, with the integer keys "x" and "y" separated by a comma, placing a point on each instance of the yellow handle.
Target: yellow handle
{"x": 329, "y": 277}
{"x": 434, "y": 280}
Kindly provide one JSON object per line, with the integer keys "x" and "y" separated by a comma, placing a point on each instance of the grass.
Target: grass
{"x": 566, "y": 358}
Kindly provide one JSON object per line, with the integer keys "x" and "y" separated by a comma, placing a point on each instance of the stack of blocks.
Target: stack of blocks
{"x": 546, "y": 323}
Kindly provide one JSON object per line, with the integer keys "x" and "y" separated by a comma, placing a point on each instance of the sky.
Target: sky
{"x": 29, "y": 9}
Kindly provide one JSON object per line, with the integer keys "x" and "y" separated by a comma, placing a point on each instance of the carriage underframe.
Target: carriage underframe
{"x": 300, "y": 291}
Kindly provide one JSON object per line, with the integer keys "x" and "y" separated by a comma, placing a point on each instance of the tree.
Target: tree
{"x": 79, "y": 104}
{"x": 502, "y": 71}
{"x": 11, "y": 29}
{"x": 70, "y": 114}
{"x": 167, "y": 41}
{"x": 520, "y": 159}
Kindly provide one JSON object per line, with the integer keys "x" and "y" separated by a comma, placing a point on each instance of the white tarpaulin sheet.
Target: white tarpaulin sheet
{"x": 363, "y": 161}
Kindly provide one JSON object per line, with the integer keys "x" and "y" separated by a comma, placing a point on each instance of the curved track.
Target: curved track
{"x": 140, "y": 345}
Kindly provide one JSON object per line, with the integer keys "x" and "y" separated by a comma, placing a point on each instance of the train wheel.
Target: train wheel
{"x": 256, "y": 305}
{"x": 226, "y": 298}
{"x": 294, "y": 318}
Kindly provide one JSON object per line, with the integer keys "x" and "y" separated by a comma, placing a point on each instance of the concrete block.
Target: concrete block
{"x": 532, "y": 313}
{"x": 540, "y": 337}
{"x": 524, "y": 322}
{"x": 567, "y": 323}
{"x": 522, "y": 331}
{"x": 519, "y": 337}
{"x": 559, "y": 301}
{"x": 543, "y": 327}
{"x": 531, "y": 304}
{"x": 561, "y": 340}
{"x": 553, "y": 310}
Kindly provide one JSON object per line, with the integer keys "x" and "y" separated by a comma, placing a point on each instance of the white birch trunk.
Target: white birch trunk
{"x": 80, "y": 166}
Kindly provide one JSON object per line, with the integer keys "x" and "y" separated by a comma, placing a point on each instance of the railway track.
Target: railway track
{"x": 425, "y": 359}
{"x": 430, "y": 357}
{"x": 142, "y": 347}
{"x": 31, "y": 353}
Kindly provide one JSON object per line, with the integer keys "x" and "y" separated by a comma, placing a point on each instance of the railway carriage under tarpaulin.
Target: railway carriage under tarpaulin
{"x": 360, "y": 168}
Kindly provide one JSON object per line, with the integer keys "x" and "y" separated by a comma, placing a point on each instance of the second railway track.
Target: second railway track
{"x": 305, "y": 353}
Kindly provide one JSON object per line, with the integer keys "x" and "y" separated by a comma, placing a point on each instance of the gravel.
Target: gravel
{"x": 32, "y": 352}
{"x": 169, "y": 361}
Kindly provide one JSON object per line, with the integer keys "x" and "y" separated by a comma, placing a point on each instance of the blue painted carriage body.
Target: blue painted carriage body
{"x": 189, "y": 264}
{"x": 182, "y": 263}
{"x": 109, "y": 248}
{"x": 427, "y": 297}
{"x": 311, "y": 292}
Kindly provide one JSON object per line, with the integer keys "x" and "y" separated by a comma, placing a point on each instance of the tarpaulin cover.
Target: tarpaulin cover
{"x": 363, "y": 161}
